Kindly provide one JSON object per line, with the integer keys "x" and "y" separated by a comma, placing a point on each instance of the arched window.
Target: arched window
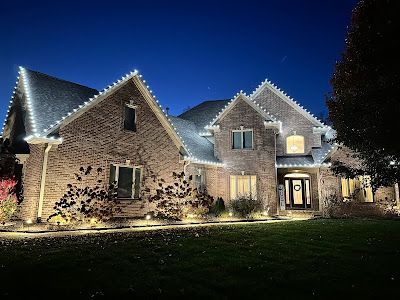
{"x": 295, "y": 144}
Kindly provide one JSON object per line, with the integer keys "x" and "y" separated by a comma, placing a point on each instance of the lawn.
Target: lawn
{"x": 321, "y": 258}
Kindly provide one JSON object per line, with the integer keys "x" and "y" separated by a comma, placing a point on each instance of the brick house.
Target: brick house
{"x": 265, "y": 145}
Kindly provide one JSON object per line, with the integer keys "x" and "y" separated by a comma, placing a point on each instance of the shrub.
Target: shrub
{"x": 218, "y": 207}
{"x": 244, "y": 206}
{"x": 177, "y": 200}
{"x": 335, "y": 207}
{"x": 86, "y": 203}
{"x": 8, "y": 199}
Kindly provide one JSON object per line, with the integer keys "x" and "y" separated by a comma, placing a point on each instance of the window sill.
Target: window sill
{"x": 128, "y": 199}
{"x": 127, "y": 130}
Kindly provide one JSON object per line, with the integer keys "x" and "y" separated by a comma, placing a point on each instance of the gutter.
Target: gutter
{"x": 43, "y": 182}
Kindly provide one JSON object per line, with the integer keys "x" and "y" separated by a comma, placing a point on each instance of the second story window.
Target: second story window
{"x": 242, "y": 139}
{"x": 295, "y": 144}
{"x": 130, "y": 117}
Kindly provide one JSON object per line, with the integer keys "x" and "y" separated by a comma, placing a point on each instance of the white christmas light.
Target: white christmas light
{"x": 284, "y": 94}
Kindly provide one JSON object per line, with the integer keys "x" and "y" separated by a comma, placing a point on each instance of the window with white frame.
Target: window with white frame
{"x": 243, "y": 186}
{"x": 359, "y": 188}
{"x": 127, "y": 179}
{"x": 130, "y": 117}
{"x": 242, "y": 139}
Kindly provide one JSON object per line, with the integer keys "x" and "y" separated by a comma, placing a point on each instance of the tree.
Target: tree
{"x": 364, "y": 106}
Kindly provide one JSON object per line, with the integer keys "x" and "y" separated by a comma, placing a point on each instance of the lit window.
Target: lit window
{"x": 243, "y": 185}
{"x": 130, "y": 118}
{"x": 127, "y": 180}
{"x": 242, "y": 139}
{"x": 358, "y": 188}
{"x": 295, "y": 144}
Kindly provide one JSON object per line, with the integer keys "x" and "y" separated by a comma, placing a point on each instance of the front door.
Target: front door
{"x": 297, "y": 193}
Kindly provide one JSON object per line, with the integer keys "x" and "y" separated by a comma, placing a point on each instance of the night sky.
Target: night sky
{"x": 188, "y": 51}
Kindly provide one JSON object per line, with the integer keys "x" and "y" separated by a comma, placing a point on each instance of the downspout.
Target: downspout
{"x": 396, "y": 194}
{"x": 43, "y": 182}
{"x": 185, "y": 166}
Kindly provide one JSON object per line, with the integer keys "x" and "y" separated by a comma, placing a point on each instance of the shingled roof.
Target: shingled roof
{"x": 52, "y": 98}
{"x": 199, "y": 147}
{"x": 202, "y": 114}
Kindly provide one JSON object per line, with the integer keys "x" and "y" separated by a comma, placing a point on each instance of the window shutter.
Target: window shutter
{"x": 130, "y": 118}
{"x": 112, "y": 175}
{"x": 138, "y": 178}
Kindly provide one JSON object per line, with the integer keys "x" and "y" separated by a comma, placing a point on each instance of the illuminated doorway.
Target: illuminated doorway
{"x": 297, "y": 191}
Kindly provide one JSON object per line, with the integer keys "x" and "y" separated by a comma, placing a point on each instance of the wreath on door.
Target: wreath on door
{"x": 297, "y": 187}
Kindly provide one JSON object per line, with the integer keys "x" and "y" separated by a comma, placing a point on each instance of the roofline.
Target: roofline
{"x": 329, "y": 153}
{"x": 314, "y": 165}
{"x": 78, "y": 111}
{"x": 231, "y": 103}
{"x": 281, "y": 94}
{"x": 11, "y": 102}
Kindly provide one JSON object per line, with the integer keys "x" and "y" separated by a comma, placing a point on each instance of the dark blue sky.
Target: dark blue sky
{"x": 188, "y": 51}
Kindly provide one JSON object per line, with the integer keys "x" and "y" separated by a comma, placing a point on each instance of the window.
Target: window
{"x": 130, "y": 118}
{"x": 359, "y": 188}
{"x": 242, "y": 139}
{"x": 199, "y": 182}
{"x": 295, "y": 144}
{"x": 127, "y": 179}
{"x": 243, "y": 185}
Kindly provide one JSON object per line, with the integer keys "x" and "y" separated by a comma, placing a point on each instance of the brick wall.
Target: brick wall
{"x": 292, "y": 120}
{"x": 31, "y": 182}
{"x": 97, "y": 138}
{"x": 331, "y": 184}
{"x": 259, "y": 161}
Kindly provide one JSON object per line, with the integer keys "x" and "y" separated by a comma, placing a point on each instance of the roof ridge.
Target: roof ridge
{"x": 57, "y": 78}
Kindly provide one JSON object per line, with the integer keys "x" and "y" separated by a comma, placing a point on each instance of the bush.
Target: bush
{"x": 84, "y": 203}
{"x": 244, "y": 206}
{"x": 218, "y": 207}
{"x": 175, "y": 201}
{"x": 335, "y": 207}
{"x": 8, "y": 199}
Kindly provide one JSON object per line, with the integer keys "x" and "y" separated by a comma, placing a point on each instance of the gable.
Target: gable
{"x": 103, "y": 124}
{"x": 241, "y": 97}
{"x": 50, "y": 103}
{"x": 240, "y": 113}
{"x": 283, "y": 106}
{"x": 132, "y": 79}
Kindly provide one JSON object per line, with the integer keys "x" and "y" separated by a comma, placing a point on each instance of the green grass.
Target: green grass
{"x": 301, "y": 259}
